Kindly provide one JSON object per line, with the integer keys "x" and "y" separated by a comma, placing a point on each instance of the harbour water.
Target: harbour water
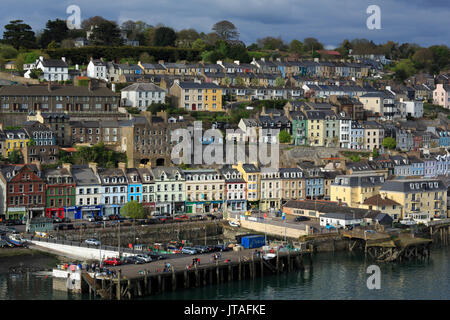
{"x": 340, "y": 275}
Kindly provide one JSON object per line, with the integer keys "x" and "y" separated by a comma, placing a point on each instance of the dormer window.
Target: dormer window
{"x": 436, "y": 184}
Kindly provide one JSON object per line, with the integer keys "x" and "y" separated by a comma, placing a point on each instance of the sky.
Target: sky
{"x": 424, "y": 22}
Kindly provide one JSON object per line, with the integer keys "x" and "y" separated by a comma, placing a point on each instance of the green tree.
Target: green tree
{"x": 279, "y": 82}
{"x": 19, "y": 34}
{"x": 15, "y": 157}
{"x": 186, "y": 38}
{"x": 239, "y": 82}
{"x": 271, "y": 43}
{"x": 226, "y": 81}
{"x": 56, "y": 31}
{"x": 226, "y": 30}
{"x": 199, "y": 44}
{"x": 8, "y": 51}
{"x": 106, "y": 33}
{"x": 284, "y": 136}
{"x": 165, "y": 36}
{"x": 389, "y": 143}
{"x": 312, "y": 44}
{"x": 133, "y": 210}
{"x": 146, "y": 58}
{"x": 296, "y": 47}
{"x": 36, "y": 73}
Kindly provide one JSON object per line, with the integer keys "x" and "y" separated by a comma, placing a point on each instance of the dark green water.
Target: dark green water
{"x": 333, "y": 276}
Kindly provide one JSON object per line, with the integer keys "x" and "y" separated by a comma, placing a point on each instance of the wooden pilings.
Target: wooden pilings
{"x": 217, "y": 273}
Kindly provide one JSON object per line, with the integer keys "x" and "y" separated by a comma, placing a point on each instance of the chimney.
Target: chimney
{"x": 122, "y": 166}
{"x": 263, "y": 59}
{"x": 113, "y": 87}
{"x": 94, "y": 167}
{"x": 161, "y": 61}
{"x": 236, "y": 62}
{"x": 63, "y": 59}
{"x": 41, "y": 58}
{"x": 37, "y": 163}
{"x": 77, "y": 67}
{"x": 68, "y": 167}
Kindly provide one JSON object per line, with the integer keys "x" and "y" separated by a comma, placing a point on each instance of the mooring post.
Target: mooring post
{"x": 197, "y": 280}
{"x": 186, "y": 279}
{"x": 130, "y": 293}
{"x": 145, "y": 281}
{"x": 159, "y": 283}
{"x": 230, "y": 272}
{"x": 239, "y": 269}
{"x": 204, "y": 276}
{"x": 174, "y": 279}
{"x": 110, "y": 287}
{"x": 119, "y": 292}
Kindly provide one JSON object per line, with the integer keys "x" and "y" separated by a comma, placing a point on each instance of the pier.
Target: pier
{"x": 385, "y": 247}
{"x": 146, "y": 279}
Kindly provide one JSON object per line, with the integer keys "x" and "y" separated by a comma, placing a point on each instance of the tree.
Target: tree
{"x": 284, "y": 136}
{"x": 164, "y": 37}
{"x": 106, "y": 33}
{"x": 271, "y": 43}
{"x": 226, "y": 81}
{"x": 226, "y": 30}
{"x": 404, "y": 69}
{"x": 239, "y": 82}
{"x": 36, "y": 73}
{"x": 88, "y": 23}
{"x": 8, "y": 52}
{"x": 19, "y": 34}
{"x": 55, "y": 30}
{"x": 389, "y": 143}
{"x": 14, "y": 157}
{"x": 133, "y": 210}
{"x": 68, "y": 43}
{"x": 146, "y": 58}
{"x": 312, "y": 44}
{"x": 279, "y": 82}
{"x": 296, "y": 47}
{"x": 186, "y": 37}
{"x": 199, "y": 44}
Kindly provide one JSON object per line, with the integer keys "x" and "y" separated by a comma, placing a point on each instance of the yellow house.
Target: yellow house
{"x": 316, "y": 132}
{"x": 196, "y": 96}
{"x": 353, "y": 190}
{"x": 252, "y": 176}
{"x": 419, "y": 198}
{"x": 385, "y": 205}
{"x": 14, "y": 140}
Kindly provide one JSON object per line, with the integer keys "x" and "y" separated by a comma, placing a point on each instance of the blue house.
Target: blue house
{"x": 417, "y": 166}
{"x": 314, "y": 188}
{"x": 444, "y": 137}
{"x": 134, "y": 185}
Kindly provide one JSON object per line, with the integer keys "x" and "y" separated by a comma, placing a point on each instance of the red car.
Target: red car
{"x": 112, "y": 261}
{"x": 181, "y": 217}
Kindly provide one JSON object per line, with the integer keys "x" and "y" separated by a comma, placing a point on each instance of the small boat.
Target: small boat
{"x": 269, "y": 256}
{"x": 234, "y": 223}
{"x": 15, "y": 239}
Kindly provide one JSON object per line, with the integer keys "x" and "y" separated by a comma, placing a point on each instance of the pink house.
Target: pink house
{"x": 441, "y": 95}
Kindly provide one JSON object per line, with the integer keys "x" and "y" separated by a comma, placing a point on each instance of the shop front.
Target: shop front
{"x": 85, "y": 211}
{"x": 203, "y": 206}
{"x": 70, "y": 212}
{"x": 149, "y": 208}
{"x": 53, "y": 213}
{"x": 16, "y": 213}
{"x": 36, "y": 212}
{"x": 111, "y": 210}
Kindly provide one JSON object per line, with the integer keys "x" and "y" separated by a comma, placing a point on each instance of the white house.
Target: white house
{"x": 53, "y": 69}
{"x": 142, "y": 95}
{"x": 340, "y": 220}
{"x": 97, "y": 69}
{"x": 413, "y": 108}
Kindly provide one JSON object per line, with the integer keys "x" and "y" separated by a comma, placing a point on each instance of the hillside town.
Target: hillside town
{"x": 83, "y": 138}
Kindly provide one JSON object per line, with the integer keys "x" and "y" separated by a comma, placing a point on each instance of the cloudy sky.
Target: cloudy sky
{"x": 425, "y": 22}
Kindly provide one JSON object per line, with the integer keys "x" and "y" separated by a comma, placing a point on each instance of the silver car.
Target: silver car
{"x": 93, "y": 242}
{"x": 188, "y": 250}
{"x": 143, "y": 257}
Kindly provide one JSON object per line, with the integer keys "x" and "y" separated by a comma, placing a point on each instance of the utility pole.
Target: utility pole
{"x": 119, "y": 240}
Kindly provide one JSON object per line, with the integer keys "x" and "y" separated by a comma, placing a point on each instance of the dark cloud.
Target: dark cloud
{"x": 331, "y": 21}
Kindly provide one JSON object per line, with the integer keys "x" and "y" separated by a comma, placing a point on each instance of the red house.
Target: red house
{"x": 25, "y": 191}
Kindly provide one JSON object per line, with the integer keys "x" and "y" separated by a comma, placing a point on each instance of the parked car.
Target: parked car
{"x": 112, "y": 261}
{"x": 90, "y": 218}
{"x": 201, "y": 249}
{"x": 189, "y": 250}
{"x": 181, "y": 217}
{"x": 166, "y": 218}
{"x": 144, "y": 257}
{"x": 105, "y": 218}
{"x": 221, "y": 247}
{"x": 92, "y": 241}
{"x": 133, "y": 260}
{"x": 156, "y": 256}
{"x": 198, "y": 217}
{"x": 301, "y": 218}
